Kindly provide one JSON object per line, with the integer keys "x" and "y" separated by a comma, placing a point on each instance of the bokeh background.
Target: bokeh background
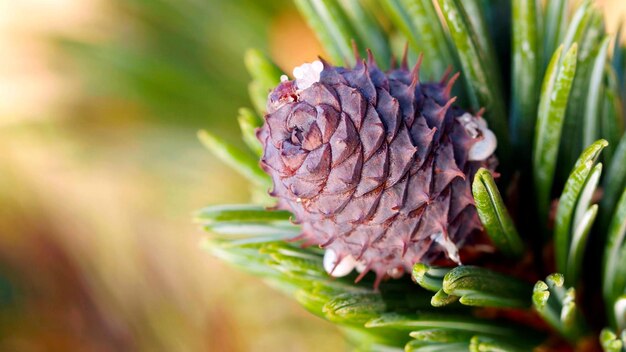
{"x": 100, "y": 172}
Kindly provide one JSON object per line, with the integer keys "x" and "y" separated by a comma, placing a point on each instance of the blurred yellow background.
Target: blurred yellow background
{"x": 100, "y": 171}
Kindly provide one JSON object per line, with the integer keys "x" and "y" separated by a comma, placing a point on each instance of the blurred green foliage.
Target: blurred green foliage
{"x": 181, "y": 60}
{"x": 97, "y": 252}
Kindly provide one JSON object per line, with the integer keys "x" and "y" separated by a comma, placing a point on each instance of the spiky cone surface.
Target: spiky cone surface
{"x": 375, "y": 166}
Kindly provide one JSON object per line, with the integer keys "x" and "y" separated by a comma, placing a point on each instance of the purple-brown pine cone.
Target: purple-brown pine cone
{"x": 375, "y": 166}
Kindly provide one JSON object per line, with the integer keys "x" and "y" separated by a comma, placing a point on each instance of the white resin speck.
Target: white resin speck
{"x": 476, "y": 127}
{"x": 470, "y": 124}
{"x": 483, "y": 148}
{"x": 395, "y": 273}
{"x": 451, "y": 250}
{"x": 344, "y": 267}
{"x": 307, "y": 74}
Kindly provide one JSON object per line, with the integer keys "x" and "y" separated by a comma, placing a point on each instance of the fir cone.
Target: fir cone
{"x": 377, "y": 167}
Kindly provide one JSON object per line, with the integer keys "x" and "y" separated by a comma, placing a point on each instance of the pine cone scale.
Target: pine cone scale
{"x": 374, "y": 166}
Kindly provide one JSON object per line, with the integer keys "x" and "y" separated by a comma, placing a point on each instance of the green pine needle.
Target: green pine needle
{"x": 480, "y": 69}
{"x": 614, "y": 275}
{"x": 569, "y": 202}
{"x": 557, "y": 306}
{"x": 567, "y": 85}
{"x": 611, "y": 342}
{"x": 494, "y": 216}
{"x": 248, "y": 123}
{"x": 526, "y": 67}
{"x": 236, "y": 158}
{"x": 554, "y": 96}
{"x": 484, "y": 288}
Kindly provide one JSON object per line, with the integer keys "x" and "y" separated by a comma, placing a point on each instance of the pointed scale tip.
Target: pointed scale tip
{"x": 405, "y": 57}
{"x": 362, "y": 252}
{"x": 415, "y": 72}
{"x": 366, "y": 69}
{"x": 405, "y": 248}
{"x": 329, "y": 242}
{"x": 393, "y": 64}
{"x": 355, "y": 52}
{"x": 308, "y": 242}
{"x": 370, "y": 58}
{"x": 301, "y": 237}
{"x": 444, "y": 109}
{"x": 295, "y": 221}
{"x": 379, "y": 278}
{"x": 446, "y": 75}
{"x": 365, "y": 271}
{"x": 447, "y": 91}
{"x": 324, "y": 62}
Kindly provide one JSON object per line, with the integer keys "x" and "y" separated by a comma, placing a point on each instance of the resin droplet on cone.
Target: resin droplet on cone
{"x": 376, "y": 166}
